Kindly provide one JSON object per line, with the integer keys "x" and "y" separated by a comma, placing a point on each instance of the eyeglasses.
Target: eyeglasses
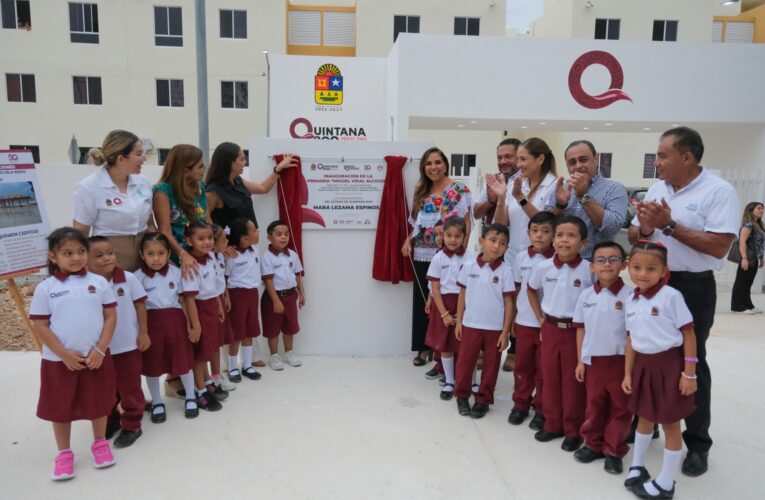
{"x": 613, "y": 260}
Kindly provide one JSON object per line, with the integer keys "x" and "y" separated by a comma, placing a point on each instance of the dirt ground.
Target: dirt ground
{"x": 13, "y": 335}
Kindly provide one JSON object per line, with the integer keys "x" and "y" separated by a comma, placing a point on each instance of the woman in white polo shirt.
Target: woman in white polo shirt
{"x": 115, "y": 201}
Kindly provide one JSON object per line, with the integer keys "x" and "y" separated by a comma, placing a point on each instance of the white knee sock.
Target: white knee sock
{"x": 448, "y": 364}
{"x": 233, "y": 362}
{"x": 246, "y": 355}
{"x": 153, "y": 384}
{"x": 187, "y": 379}
{"x": 475, "y": 376}
{"x": 669, "y": 467}
{"x": 642, "y": 442}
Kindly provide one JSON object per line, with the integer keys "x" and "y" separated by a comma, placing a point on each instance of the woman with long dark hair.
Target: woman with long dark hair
{"x": 751, "y": 236}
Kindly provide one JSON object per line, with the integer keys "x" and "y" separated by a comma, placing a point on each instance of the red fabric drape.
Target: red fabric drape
{"x": 392, "y": 227}
{"x": 292, "y": 193}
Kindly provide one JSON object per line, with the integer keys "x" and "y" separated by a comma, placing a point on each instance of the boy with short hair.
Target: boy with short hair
{"x": 561, "y": 279}
{"x": 601, "y": 339}
{"x": 484, "y": 316}
{"x": 528, "y": 366}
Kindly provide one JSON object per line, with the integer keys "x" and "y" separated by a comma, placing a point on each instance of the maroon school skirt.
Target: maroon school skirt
{"x": 209, "y": 341}
{"x": 243, "y": 314}
{"x": 655, "y": 387}
{"x": 66, "y": 396}
{"x": 438, "y": 336}
{"x": 224, "y": 329}
{"x": 171, "y": 351}
{"x": 287, "y": 322}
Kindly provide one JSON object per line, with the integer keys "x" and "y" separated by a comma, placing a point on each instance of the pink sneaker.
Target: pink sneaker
{"x": 64, "y": 466}
{"x": 102, "y": 454}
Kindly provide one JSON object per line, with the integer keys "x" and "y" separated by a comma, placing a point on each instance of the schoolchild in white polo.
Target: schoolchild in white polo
{"x": 224, "y": 327}
{"x": 484, "y": 317}
{"x": 601, "y": 338}
{"x": 130, "y": 339}
{"x": 561, "y": 280}
{"x": 282, "y": 273}
{"x": 660, "y": 367}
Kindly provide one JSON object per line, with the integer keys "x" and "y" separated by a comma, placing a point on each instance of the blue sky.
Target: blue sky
{"x": 520, "y": 13}
{"x": 21, "y": 188}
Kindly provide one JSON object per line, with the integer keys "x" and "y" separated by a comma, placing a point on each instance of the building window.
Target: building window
{"x": 649, "y": 169}
{"x": 246, "y": 157}
{"x": 84, "y": 155}
{"x": 461, "y": 165}
{"x": 405, "y": 24}
{"x": 467, "y": 26}
{"x": 83, "y": 22}
{"x": 170, "y": 93}
{"x": 233, "y": 24}
{"x": 87, "y": 89}
{"x": 16, "y": 14}
{"x": 35, "y": 150}
{"x": 604, "y": 164}
{"x": 21, "y": 88}
{"x": 233, "y": 95}
{"x": 665, "y": 31}
{"x": 162, "y": 155}
{"x": 168, "y": 27}
{"x": 607, "y": 29}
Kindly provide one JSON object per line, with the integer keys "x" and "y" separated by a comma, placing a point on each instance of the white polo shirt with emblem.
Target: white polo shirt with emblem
{"x": 281, "y": 267}
{"x": 486, "y": 286}
{"x": 100, "y": 204}
{"x": 243, "y": 271}
{"x": 163, "y": 287}
{"x": 445, "y": 268}
{"x": 220, "y": 273}
{"x": 128, "y": 291}
{"x": 524, "y": 264}
{"x": 74, "y": 304}
{"x": 601, "y": 313}
{"x": 655, "y": 319}
{"x": 203, "y": 284}
{"x": 561, "y": 284}
{"x": 707, "y": 204}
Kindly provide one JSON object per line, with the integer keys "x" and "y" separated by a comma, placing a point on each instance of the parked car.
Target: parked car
{"x": 634, "y": 196}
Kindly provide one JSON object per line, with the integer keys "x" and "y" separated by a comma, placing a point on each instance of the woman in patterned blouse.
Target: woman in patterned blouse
{"x": 436, "y": 197}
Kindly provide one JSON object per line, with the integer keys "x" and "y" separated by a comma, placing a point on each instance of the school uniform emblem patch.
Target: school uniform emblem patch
{"x": 108, "y": 202}
{"x": 654, "y": 311}
{"x": 171, "y": 285}
{"x": 91, "y": 289}
{"x": 618, "y": 305}
{"x": 120, "y": 292}
{"x": 495, "y": 279}
{"x": 577, "y": 283}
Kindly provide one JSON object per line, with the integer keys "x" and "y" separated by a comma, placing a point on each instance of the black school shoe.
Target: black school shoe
{"x": 251, "y": 373}
{"x": 538, "y": 422}
{"x": 640, "y": 492}
{"x": 208, "y": 402}
{"x": 446, "y": 395}
{"x": 586, "y": 455}
{"x": 217, "y": 391}
{"x": 642, "y": 478}
{"x": 191, "y": 412}
{"x": 112, "y": 427}
{"x": 432, "y": 374}
{"x": 158, "y": 418}
{"x": 479, "y": 410}
{"x": 543, "y": 436}
{"x": 517, "y": 417}
{"x": 235, "y": 375}
{"x": 126, "y": 438}
{"x": 463, "y": 406}
{"x": 695, "y": 463}
{"x": 571, "y": 443}
{"x": 613, "y": 465}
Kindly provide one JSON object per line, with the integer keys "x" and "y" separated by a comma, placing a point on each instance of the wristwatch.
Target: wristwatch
{"x": 522, "y": 202}
{"x": 560, "y": 206}
{"x": 670, "y": 229}
{"x": 585, "y": 199}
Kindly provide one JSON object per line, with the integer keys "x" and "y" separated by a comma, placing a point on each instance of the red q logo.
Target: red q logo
{"x": 307, "y": 124}
{"x": 13, "y": 157}
{"x": 614, "y": 92}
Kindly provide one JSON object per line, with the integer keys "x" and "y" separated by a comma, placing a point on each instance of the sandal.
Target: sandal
{"x": 158, "y": 417}
{"x": 422, "y": 358}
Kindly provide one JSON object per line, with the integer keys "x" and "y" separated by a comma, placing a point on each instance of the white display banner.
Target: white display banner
{"x": 344, "y": 194}
{"x": 23, "y": 219}
{"x": 328, "y": 98}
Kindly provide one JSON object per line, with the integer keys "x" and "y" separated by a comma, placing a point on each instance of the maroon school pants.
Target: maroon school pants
{"x": 563, "y": 399}
{"x": 473, "y": 341}
{"x": 528, "y": 369}
{"x": 127, "y": 372}
{"x": 606, "y": 418}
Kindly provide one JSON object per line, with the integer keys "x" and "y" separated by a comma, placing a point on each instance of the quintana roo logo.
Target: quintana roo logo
{"x": 614, "y": 92}
{"x": 328, "y": 86}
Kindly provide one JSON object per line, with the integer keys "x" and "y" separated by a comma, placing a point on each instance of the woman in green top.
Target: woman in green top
{"x": 179, "y": 197}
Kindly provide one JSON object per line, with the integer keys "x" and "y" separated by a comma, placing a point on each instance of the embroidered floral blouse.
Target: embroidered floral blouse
{"x": 178, "y": 219}
{"x": 454, "y": 201}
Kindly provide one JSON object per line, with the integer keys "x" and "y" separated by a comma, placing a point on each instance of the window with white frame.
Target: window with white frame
{"x": 87, "y": 89}
{"x": 607, "y": 29}
{"x": 162, "y": 155}
{"x": 170, "y": 93}
{"x": 20, "y": 88}
{"x": 84, "y": 155}
{"x": 664, "y": 31}
{"x": 405, "y": 24}
{"x": 83, "y": 22}
{"x": 461, "y": 164}
{"x": 233, "y": 95}
{"x": 604, "y": 164}
{"x": 233, "y": 24}
{"x": 467, "y": 26}
{"x": 649, "y": 169}
{"x": 16, "y": 14}
{"x": 168, "y": 27}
